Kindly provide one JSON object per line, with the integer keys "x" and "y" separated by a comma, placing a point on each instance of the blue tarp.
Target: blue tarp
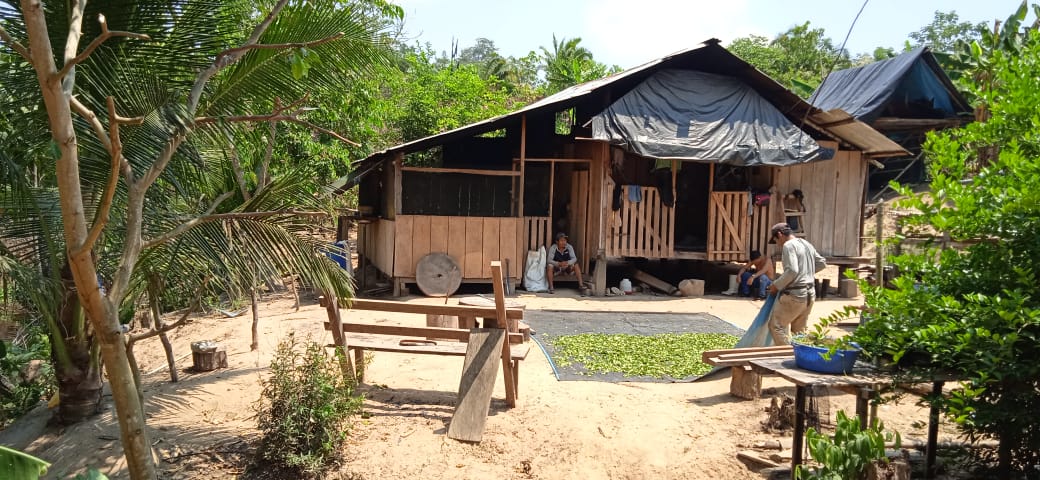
{"x": 864, "y": 92}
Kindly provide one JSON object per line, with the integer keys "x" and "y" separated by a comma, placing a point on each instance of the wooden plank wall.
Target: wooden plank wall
{"x": 729, "y": 226}
{"x": 598, "y": 154}
{"x": 536, "y": 233}
{"x": 473, "y": 242}
{"x": 645, "y": 229}
{"x": 377, "y": 244}
{"x": 761, "y": 223}
{"x": 833, "y": 192}
{"x": 579, "y": 215}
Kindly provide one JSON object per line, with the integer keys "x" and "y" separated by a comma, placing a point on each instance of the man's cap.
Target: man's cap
{"x": 561, "y": 235}
{"x": 780, "y": 227}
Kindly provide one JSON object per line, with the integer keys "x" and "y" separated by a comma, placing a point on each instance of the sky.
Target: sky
{"x": 628, "y": 33}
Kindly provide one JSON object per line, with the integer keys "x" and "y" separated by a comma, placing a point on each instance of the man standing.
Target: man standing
{"x": 795, "y": 286}
{"x": 562, "y": 261}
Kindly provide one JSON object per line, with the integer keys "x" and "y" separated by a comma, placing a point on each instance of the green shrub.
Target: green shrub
{"x": 17, "y": 394}
{"x": 306, "y": 408}
{"x": 847, "y": 455}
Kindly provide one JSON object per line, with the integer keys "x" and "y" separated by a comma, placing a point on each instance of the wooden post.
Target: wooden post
{"x": 675, "y": 174}
{"x": 599, "y": 283}
{"x": 879, "y": 246}
{"x": 336, "y": 324}
{"x": 523, "y": 160}
{"x": 552, "y": 186}
{"x": 500, "y": 313}
{"x": 398, "y": 163}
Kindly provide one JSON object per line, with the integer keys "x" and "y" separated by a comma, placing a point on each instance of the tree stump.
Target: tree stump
{"x": 207, "y": 356}
{"x": 746, "y": 383}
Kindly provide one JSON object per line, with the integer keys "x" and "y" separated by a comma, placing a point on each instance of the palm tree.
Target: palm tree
{"x": 130, "y": 132}
{"x": 569, "y": 64}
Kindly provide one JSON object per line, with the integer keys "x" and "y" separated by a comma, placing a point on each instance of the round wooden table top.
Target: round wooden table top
{"x": 438, "y": 275}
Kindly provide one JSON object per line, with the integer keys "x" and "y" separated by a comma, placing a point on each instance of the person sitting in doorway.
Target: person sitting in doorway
{"x": 562, "y": 261}
{"x": 756, "y": 276}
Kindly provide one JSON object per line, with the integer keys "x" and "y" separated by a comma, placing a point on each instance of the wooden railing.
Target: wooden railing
{"x": 729, "y": 226}
{"x": 536, "y": 233}
{"x": 645, "y": 229}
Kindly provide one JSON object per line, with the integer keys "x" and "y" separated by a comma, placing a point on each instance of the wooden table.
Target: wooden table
{"x": 862, "y": 382}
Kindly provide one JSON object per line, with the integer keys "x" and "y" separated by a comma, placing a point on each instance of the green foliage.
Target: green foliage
{"x": 91, "y": 474}
{"x": 975, "y": 313}
{"x": 666, "y": 355}
{"x": 798, "y": 58}
{"x": 569, "y": 64}
{"x": 17, "y": 394}
{"x": 306, "y": 408}
{"x": 945, "y": 31}
{"x": 16, "y": 465}
{"x": 846, "y": 455}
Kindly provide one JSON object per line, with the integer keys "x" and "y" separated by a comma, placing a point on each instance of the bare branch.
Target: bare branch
{"x": 170, "y": 326}
{"x": 72, "y": 43}
{"x": 105, "y": 35}
{"x": 116, "y": 153}
{"x": 326, "y": 132}
{"x": 280, "y": 46}
{"x": 184, "y": 227}
{"x": 17, "y": 47}
{"x": 236, "y": 166}
{"x": 223, "y": 61}
{"x": 102, "y": 135}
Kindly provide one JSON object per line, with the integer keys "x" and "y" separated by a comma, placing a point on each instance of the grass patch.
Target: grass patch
{"x": 666, "y": 355}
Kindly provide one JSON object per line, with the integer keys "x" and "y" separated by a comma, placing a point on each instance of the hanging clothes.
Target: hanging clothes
{"x": 635, "y": 193}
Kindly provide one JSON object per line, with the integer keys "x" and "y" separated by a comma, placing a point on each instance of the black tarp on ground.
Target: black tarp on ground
{"x": 691, "y": 115}
{"x": 549, "y": 324}
{"x": 905, "y": 80}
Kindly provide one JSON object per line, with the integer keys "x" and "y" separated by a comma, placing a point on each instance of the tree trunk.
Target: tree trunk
{"x": 102, "y": 313}
{"x": 256, "y": 321}
{"x": 79, "y": 378}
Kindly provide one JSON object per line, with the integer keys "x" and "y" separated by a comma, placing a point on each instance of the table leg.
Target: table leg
{"x": 861, "y": 407}
{"x": 799, "y": 427}
{"x": 933, "y": 433}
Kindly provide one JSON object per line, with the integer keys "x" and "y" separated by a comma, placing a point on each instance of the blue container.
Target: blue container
{"x": 339, "y": 255}
{"x": 812, "y": 358}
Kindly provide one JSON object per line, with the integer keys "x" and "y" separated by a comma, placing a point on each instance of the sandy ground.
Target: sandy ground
{"x": 204, "y": 425}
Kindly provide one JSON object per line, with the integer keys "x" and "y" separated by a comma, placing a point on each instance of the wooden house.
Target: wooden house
{"x": 685, "y": 157}
{"x": 904, "y": 98}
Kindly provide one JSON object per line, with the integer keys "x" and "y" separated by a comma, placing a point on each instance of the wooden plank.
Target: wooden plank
{"x": 479, "y": 371}
{"x": 827, "y": 175}
{"x": 454, "y": 334}
{"x": 507, "y": 245}
{"x": 432, "y": 309}
{"x": 500, "y": 307}
{"x": 469, "y": 171}
{"x": 712, "y": 228}
{"x": 420, "y": 237}
{"x": 439, "y": 235}
{"x": 843, "y": 190}
{"x": 457, "y": 241}
{"x": 558, "y": 160}
{"x": 856, "y": 224}
{"x": 490, "y": 241}
{"x": 653, "y": 281}
{"x": 398, "y": 164}
{"x": 472, "y": 266}
{"x": 404, "y": 265}
{"x": 523, "y": 160}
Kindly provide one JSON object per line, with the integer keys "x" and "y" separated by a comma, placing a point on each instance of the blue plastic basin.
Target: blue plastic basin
{"x": 812, "y": 358}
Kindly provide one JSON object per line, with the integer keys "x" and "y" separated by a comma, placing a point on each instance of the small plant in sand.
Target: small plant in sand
{"x": 848, "y": 454}
{"x": 306, "y": 408}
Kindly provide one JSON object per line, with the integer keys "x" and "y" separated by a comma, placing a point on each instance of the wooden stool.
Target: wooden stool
{"x": 469, "y": 322}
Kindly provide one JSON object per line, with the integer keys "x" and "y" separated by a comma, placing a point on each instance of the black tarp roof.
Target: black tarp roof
{"x": 911, "y": 79}
{"x": 692, "y": 115}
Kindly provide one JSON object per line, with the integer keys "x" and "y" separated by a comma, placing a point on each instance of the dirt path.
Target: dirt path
{"x": 204, "y": 426}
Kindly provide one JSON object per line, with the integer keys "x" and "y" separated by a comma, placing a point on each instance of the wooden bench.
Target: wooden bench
{"x": 745, "y": 382}
{"x": 360, "y": 337}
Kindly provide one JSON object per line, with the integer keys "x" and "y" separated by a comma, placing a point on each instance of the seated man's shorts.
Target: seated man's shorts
{"x": 565, "y": 270}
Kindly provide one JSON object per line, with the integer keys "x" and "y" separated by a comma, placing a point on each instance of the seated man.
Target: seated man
{"x": 756, "y": 276}
{"x": 562, "y": 261}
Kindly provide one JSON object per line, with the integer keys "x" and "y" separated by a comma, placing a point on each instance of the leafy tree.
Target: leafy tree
{"x": 799, "y": 58}
{"x": 129, "y": 133}
{"x": 945, "y": 31}
{"x": 975, "y": 313}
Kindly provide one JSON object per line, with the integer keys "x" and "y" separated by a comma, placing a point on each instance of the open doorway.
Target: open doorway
{"x": 692, "y": 184}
